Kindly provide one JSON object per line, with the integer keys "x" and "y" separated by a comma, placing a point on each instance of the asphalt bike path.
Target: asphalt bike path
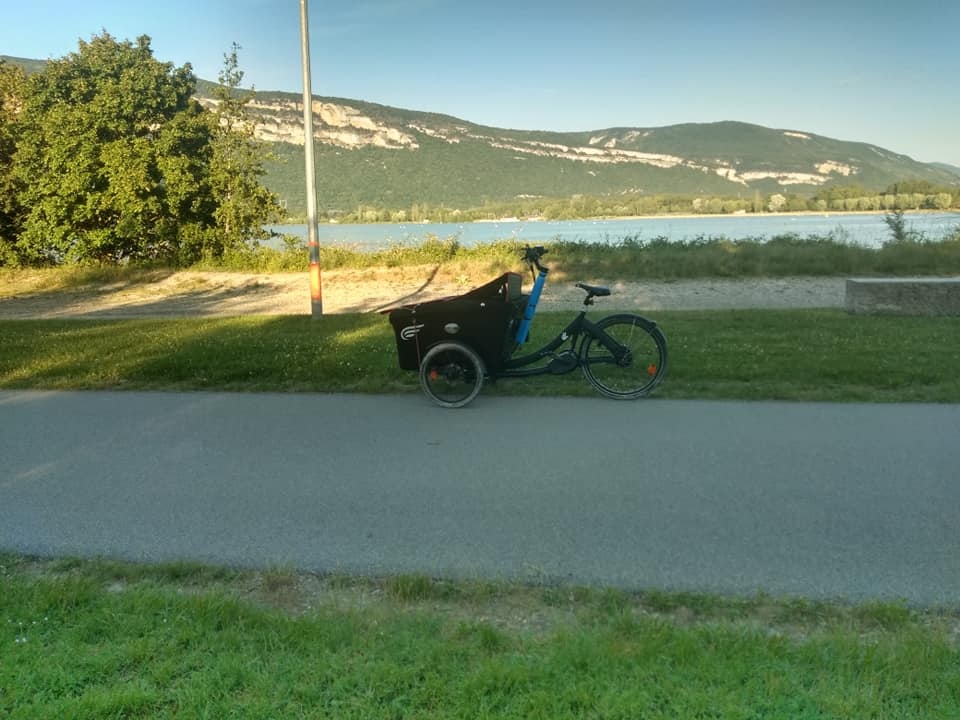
{"x": 821, "y": 500}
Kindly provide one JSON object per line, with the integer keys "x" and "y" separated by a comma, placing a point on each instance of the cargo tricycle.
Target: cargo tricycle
{"x": 456, "y": 343}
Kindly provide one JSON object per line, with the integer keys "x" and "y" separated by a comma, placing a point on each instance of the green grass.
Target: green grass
{"x": 781, "y": 256}
{"x": 744, "y": 354}
{"x": 627, "y": 258}
{"x": 632, "y": 258}
{"x": 100, "y": 639}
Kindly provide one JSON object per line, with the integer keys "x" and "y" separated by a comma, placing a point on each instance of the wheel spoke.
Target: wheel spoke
{"x": 451, "y": 374}
{"x": 641, "y": 365}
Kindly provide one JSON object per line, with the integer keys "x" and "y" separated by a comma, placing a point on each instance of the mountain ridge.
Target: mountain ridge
{"x": 370, "y": 154}
{"x": 398, "y": 157}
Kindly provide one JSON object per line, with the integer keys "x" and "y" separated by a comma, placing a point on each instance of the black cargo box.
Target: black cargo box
{"x": 485, "y": 318}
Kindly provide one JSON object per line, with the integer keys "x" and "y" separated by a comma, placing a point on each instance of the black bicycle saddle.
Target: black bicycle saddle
{"x": 594, "y": 290}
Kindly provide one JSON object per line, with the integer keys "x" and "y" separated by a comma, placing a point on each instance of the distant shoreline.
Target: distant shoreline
{"x": 867, "y": 228}
{"x": 679, "y": 216}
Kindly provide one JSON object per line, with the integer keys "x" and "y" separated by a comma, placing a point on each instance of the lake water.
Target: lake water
{"x": 868, "y": 230}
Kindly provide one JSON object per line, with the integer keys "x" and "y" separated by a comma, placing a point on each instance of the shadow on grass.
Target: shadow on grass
{"x": 341, "y": 353}
{"x": 743, "y": 355}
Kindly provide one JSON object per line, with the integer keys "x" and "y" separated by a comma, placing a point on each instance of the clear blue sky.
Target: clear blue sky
{"x": 875, "y": 72}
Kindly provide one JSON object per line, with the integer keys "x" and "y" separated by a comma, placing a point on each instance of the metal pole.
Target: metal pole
{"x": 316, "y": 295}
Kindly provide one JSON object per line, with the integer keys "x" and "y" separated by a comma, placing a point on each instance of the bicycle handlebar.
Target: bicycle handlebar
{"x": 532, "y": 255}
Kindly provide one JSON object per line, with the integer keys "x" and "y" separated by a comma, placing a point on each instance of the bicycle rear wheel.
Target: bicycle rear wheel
{"x": 451, "y": 374}
{"x": 635, "y": 370}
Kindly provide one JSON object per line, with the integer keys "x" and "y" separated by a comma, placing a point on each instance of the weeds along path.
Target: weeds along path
{"x": 190, "y": 293}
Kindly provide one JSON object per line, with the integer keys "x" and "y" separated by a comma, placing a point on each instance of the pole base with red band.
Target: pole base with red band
{"x": 316, "y": 292}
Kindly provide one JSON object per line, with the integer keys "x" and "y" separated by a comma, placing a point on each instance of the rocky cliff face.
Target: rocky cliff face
{"x": 333, "y": 123}
{"x": 347, "y": 127}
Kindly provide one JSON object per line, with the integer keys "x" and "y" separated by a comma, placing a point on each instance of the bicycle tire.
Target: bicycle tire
{"x": 451, "y": 374}
{"x": 642, "y": 368}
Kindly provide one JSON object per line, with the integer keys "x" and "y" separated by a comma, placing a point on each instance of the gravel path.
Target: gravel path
{"x": 188, "y": 293}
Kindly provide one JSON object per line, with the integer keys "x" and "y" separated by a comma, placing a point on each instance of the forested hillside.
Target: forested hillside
{"x": 392, "y": 159}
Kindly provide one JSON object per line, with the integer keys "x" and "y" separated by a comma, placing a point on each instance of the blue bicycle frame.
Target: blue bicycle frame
{"x": 524, "y": 330}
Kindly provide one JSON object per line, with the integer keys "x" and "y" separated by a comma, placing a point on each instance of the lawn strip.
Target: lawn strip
{"x": 88, "y": 638}
{"x": 745, "y": 354}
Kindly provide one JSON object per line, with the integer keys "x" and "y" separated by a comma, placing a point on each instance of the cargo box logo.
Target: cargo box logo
{"x": 410, "y": 331}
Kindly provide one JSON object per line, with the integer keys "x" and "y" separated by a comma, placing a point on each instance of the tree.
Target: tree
{"x": 244, "y": 205}
{"x": 776, "y": 202}
{"x": 942, "y": 201}
{"x": 922, "y": 187}
{"x": 11, "y": 213}
{"x": 112, "y": 156}
{"x": 899, "y": 229}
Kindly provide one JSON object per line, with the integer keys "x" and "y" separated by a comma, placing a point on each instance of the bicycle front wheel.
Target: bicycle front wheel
{"x": 637, "y": 366}
{"x": 451, "y": 374}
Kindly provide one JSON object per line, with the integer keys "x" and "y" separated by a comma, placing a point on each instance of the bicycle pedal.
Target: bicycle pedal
{"x": 562, "y": 363}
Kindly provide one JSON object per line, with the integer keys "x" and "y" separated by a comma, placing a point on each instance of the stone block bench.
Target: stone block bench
{"x": 903, "y": 296}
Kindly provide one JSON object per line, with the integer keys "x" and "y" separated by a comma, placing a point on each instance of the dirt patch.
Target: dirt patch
{"x": 198, "y": 294}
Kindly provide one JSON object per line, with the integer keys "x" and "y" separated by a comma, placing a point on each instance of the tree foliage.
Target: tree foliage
{"x": 113, "y": 160}
{"x": 629, "y": 205}
{"x": 11, "y": 99}
{"x": 106, "y": 155}
{"x": 243, "y": 203}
